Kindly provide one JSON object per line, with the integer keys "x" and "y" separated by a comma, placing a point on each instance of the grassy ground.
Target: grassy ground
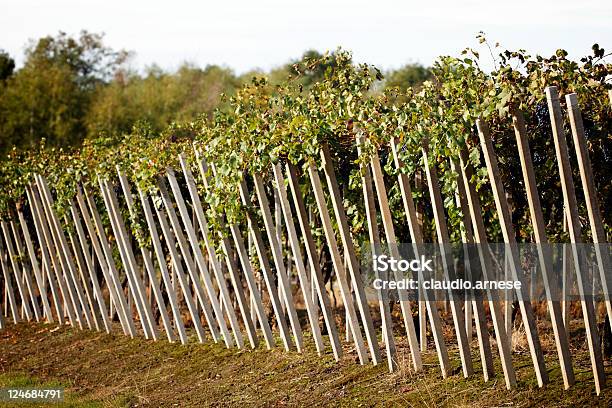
{"x": 114, "y": 371}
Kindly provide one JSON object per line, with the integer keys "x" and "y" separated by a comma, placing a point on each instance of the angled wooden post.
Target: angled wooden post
{"x": 375, "y": 247}
{"x": 49, "y": 253}
{"x": 590, "y": 195}
{"x": 341, "y": 275}
{"x": 383, "y": 203}
{"x": 90, "y": 267}
{"x": 45, "y": 270}
{"x": 475, "y": 303}
{"x": 571, "y": 208}
{"x": 216, "y": 265}
{"x": 201, "y": 263}
{"x": 10, "y": 294}
{"x": 65, "y": 256}
{"x": 35, "y": 267}
{"x": 311, "y": 307}
{"x": 177, "y": 269}
{"x": 103, "y": 253}
{"x": 215, "y": 321}
{"x": 129, "y": 263}
{"x": 80, "y": 266}
{"x": 353, "y": 264}
{"x": 20, "y": 278}
{"x": 318, "y": 284}
{"x": 277, "y": 256}
{"x": 264, "y": 263}
{"x": 161, "y": 262}
{"x": 443, "y": 241}
{"x": 417, "y": 239}
{"x": 480, "y": 238}
{"x": 503, "y": 212}
{"x": 148, "y": 262}
{"x": 257, "y": 303}
{"x": 31, "y": 284}
{"x": 539, "y": 231}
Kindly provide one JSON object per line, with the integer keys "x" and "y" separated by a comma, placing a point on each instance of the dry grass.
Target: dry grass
{"x": 113, "y": 371}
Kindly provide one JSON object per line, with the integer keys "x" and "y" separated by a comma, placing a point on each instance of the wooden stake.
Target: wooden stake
{"x": 341, "y": 277}
{"x": 375, "y": 245}
{"x": 234, "y": 277}
{"x": 417, "y": 239}
{"x": 571, "y": 208}
{"x": 65, "y": 256}
{"x": 313, "y": 258}
{"x": 475, "y": 303}
{"x": 503, "y": 212}
{"x": 103, "y": 252}
{"x": 480, "y": 237}
{"x": 353, "y": 264}
{"x": 294, "y": 242}
{"x": 200, "y": 261}
{"x": 9, "y": 286}
{"x": 443, "y": 240}
{"x": 148, "y": 262}
{"x": 90, "y": 267}
{"x": 278, "y": 262}
{"x": 129, "y": 262}
{"x": 35, "y": 267}
{"x": 178, "y": 273}
{"x": 590, "y": 195}
{"x": 539, "y": 230}
{"x": 385, "y": 210}
{"x": 212, "y": 319}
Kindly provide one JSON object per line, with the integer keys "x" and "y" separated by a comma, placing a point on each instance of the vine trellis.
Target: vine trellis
{"x": 155, "y": 235}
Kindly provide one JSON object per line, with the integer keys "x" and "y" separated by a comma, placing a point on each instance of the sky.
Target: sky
{"x": 245, "y": 35}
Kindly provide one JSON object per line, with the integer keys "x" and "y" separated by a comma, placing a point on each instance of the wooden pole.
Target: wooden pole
{"x": 19, "y": 278}
{"x": 212, "y": 314}
{"x": 353, "y": 264}
{"x": 277, "y": 256}
{"x": 375, "y": 245}
{"x": 313, "y": 258}
{"x": 65, "y": 256}
{"x": 103, "y": 252}
{"x": 571, "y": 208}
{"x": 90, "y": 267}
{"x": 264, "y": 263}
{"x": 179, "y": 274}
{"x": 387, "y": 220}
{"x": 49, "y": 256}
{"x": 9, "y": 286}
{"x": 294, "y": 242}
{"x": 447, "y": 264}
{"x": 480, "y": 238}
{"x": 161, "y": 262}
{"x": 341, "y": 277}
{"x": 590, "y": 195}
{"x": 216, "y": 265}
{"x": 76, "y": 249}
{"x": 503, "y": 212}
{"x": 129, "y": 263}
{"x": 201, "y": 263}
{"x": 539, "y": 230}
{"x": 257, "y": 303}
{"x": 148, "y": 262}
{"x": 35, "y": 267}
{"x": 475, "y": 303}
{"x": 417, "y": 239}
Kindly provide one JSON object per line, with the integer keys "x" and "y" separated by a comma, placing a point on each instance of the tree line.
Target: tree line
{"x": 75, "y": 87}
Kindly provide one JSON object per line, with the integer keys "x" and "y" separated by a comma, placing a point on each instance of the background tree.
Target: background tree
{"x": 49, "y": 97}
